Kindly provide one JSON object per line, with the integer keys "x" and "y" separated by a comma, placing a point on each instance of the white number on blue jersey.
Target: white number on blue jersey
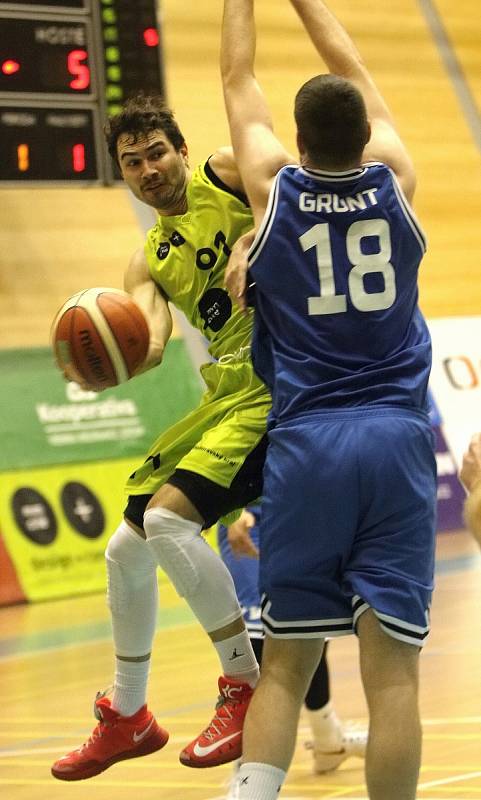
{"x": 328, "y": 301}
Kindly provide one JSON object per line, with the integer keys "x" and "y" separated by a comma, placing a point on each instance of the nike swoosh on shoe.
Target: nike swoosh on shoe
{"x": 200, "y": 751}
{"x": 137, "y": 737}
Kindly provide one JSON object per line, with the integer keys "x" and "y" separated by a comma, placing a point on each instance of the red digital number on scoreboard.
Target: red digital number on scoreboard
{"x": 77, "y": 153}
{"x": 75, "y": 67}
{"x": 47, "y": 56}
{"x": 78, "y": 69}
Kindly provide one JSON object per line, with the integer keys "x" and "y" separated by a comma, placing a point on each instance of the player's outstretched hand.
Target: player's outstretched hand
{"x": 236, "y": 273}
{"x": 239, "y": 536}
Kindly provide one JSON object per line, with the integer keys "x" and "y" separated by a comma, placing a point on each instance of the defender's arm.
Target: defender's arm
{"x": 342, "y": 58}
{"x": 258, "y": 153}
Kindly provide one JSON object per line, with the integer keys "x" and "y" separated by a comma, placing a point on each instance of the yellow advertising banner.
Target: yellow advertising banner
{"x": 55, "y": 523}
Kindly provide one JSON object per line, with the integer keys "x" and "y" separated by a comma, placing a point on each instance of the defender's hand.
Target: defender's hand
{"x": 236, "y": 271}
{"x": 239, "y": 536}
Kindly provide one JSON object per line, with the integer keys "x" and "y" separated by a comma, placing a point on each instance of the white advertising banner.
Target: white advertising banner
{"x": 456, "y": 379}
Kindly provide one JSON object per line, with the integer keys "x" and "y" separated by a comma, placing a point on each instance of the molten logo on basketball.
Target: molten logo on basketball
{"x": 92, "y": 358}
{"x": 104, "y": 335}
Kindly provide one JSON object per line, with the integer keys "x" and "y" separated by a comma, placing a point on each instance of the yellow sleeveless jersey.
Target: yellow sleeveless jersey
{"x": 187, "y": 256}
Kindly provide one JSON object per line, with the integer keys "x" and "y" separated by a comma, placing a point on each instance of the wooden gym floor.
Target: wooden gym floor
{"x": 426, "y": 57}
{"x": 55, "y": 656}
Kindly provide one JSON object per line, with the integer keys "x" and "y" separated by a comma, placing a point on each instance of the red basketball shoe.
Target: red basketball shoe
{"x": 222, "y": 740}
{"x": 115, "y": 738}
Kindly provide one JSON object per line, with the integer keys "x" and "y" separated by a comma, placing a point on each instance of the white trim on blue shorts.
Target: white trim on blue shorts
{"x": 399, "y": 629}
{"x": 304, "y": 629}
{"x": 330, "y": 628}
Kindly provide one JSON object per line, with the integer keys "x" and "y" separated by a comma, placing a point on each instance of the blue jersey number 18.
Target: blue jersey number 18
{"x": 328, "y": 301}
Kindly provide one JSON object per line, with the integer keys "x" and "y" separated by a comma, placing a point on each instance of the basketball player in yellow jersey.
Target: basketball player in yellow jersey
{"x": 203, "y": 468}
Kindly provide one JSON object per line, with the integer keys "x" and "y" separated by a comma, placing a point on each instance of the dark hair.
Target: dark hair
{"x": 139, "y": 116}
{"x": 332, "y": 121}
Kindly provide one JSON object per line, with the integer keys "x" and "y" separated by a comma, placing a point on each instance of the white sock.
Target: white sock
{"x": 326, "y": 727}
{"x": 235, "y": 656}
{"x": 258, "y": 782}
{"x": 130, "y": 686}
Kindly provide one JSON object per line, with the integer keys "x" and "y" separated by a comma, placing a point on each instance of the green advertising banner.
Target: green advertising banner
{"x": 44, "y": 420}
{"x": 65, "y": 456}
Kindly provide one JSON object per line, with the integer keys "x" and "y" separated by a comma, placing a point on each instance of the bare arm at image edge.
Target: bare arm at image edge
{"x": 470, "y": 476}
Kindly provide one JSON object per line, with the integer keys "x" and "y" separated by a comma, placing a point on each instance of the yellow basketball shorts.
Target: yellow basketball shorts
{"x": 217, "y": 439}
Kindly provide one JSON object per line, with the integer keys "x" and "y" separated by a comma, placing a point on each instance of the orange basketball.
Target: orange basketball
{"x": 100, "y": 336}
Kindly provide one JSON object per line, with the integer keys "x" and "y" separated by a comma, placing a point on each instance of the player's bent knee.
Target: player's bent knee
{"x": 130, "y": 568}
{"x": 172, "y": 537}
{"x": 126, "y": 547}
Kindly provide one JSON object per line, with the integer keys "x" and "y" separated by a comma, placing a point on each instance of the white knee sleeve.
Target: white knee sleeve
{"x": 173, "y": 542}
{"x": 196, "y": 571}
{"x": 132, "y": 592}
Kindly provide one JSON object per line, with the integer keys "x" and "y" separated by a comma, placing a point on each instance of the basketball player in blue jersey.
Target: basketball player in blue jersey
{"x": 349, "y": 499}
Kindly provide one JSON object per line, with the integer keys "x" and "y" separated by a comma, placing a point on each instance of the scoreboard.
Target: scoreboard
{"x": 65, "y": 65}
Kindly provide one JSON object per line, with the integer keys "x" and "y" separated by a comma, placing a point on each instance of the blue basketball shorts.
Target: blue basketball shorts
{"x": 348, "y": 523}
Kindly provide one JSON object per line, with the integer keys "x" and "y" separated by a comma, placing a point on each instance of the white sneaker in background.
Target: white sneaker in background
{"x": 353, "y": 743}
{"x": 331, "y": 742}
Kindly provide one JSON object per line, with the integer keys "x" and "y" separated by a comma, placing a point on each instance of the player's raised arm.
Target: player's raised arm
{"x": 342, "y": 58}
{"x": 146, "y": 293}
{"x": 258, "y": 152}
